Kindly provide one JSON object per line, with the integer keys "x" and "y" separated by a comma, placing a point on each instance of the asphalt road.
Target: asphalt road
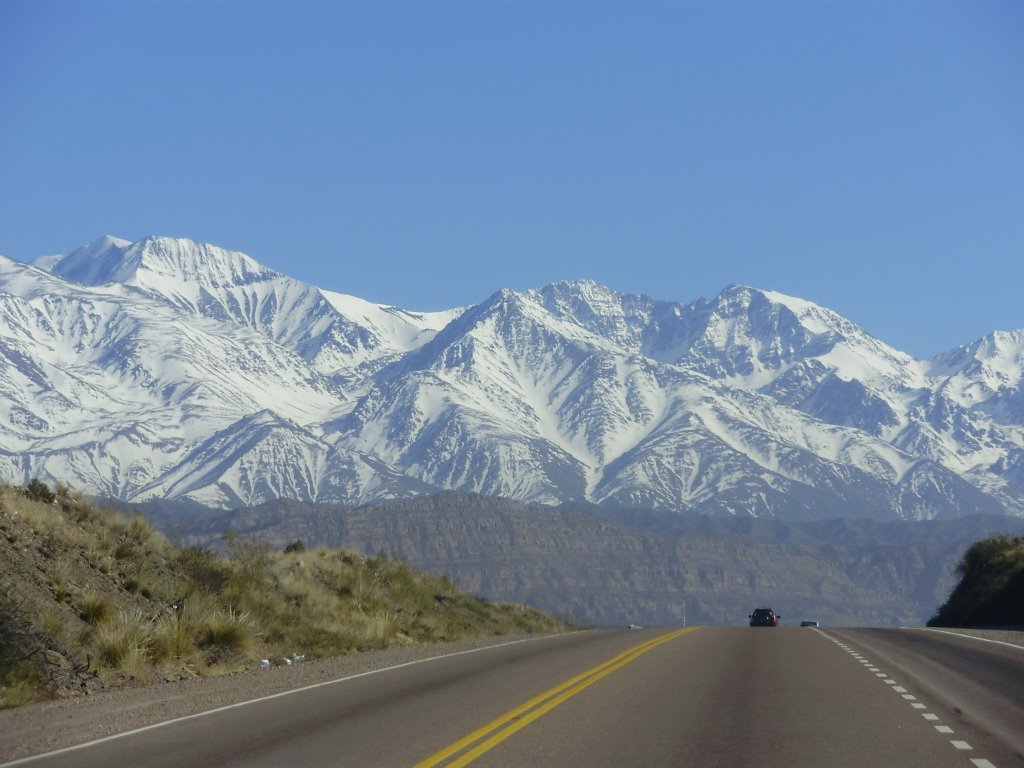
{"x": 701, "y": 697}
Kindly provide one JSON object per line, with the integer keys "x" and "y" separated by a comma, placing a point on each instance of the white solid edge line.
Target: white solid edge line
{"x": 236, "y": 705}
{"x": 969, "y": 637}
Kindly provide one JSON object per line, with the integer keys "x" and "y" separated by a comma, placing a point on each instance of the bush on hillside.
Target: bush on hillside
{"x": 24, "y": 670}
{"x": 37, "y": 490}
{"x": 991, "y": 588}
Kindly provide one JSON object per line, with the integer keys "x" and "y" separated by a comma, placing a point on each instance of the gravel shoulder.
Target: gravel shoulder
{"x": 47, "y": 726}
{"x": 1009, "y": 636}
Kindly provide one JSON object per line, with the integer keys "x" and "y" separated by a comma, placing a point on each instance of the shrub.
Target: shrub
{"x": 16, "y": 640}
{"x": 250, "y": 556}
{"x": 204, "y": 569}
{"x": 130, "y": 644}
{"x": 95, "y": 608}
{"x": 225, "y": 634}
{"x": 22, "y": 663}
{"x": 58, "y": 582}
{"x": 37, "y": 490}
{"x": 190, "y": 613}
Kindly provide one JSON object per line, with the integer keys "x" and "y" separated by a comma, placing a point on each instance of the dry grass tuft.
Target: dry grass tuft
{"x": 95, "y": 608}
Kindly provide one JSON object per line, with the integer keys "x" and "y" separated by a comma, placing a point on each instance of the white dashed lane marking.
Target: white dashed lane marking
{"x": 962, "y": 746}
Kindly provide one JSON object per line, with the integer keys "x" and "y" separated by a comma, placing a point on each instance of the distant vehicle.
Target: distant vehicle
{"x": 764, "y": 617}
{"x": 808, "y": 623}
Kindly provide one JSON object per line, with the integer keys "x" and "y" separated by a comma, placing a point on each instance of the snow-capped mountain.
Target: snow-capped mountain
{"x": 336, "y": 334}
{"x": 173, "y": 369}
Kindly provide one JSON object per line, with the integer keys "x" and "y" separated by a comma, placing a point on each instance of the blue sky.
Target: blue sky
{"x": 865, "y": 155}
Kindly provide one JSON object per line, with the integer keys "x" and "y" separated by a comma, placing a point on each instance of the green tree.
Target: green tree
{"x": 991, "y": 587}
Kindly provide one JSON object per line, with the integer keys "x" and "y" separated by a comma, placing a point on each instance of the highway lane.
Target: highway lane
{"x": 745, "y": 697}
{"x": 708, "y": 697}
{"x": 972, "y": 682}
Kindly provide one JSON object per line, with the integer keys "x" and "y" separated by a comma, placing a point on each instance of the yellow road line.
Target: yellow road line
{"x": 516, "y": 719}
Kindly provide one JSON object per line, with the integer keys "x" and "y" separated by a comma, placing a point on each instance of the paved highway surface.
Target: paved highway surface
{"x": 653, "y": 697}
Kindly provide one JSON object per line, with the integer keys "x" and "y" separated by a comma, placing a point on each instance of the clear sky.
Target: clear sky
{"x": 865, "y": 155}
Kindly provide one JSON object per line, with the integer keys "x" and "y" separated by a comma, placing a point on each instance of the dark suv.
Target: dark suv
{"x": 764, "y": 617}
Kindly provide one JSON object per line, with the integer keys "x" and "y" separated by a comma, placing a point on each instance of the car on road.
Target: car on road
{"x": 809, "y": 623}
{"x": 764, "y": 617}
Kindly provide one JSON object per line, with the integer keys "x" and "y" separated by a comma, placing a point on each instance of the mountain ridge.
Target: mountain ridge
{"x": 121, "y": 363}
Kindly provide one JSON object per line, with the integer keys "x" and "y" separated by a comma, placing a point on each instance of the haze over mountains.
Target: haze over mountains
{"x": 170, "y": 369}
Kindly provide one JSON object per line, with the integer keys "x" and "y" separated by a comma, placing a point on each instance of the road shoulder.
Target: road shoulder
{"x": 47, "y": 726}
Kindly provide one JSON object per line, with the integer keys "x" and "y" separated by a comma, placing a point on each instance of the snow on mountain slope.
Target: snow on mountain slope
{"x": 717, "y": 440}
{"x": 744, "y": 336}
{"x": 169, "y": 368}
{"x": 809, "y": 358}
{"x": 104, "y": 388}
{"x": 230, "y": 286}
{"x": 101, "y": 261}
{"x": 263, "y": 457}
{"x": 577, "y": 416}
{"x": 750, "y": 338}
{"x": 397, "y": 330}
{"x": 754, "y": 340}
{"x": 985, "y": 375}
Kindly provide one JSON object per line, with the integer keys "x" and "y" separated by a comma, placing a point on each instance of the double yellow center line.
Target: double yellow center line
{"x": 496, "y": 731}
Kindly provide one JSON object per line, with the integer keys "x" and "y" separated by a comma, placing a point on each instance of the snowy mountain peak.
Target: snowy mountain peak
{"x": 577, "y": 293}
{"x": 999, "y": 351}
{"x": 770, "y": 312}
{"x": 336, "y": 333}
{"x": 1003, "y": 354}
{"x": 991, "y": 367}
{"x": 159, "y": 262}
{"x": 503, "y": 317}
{"x": 620, "y": 318}
{"x": 751, "y": 337}
{"x": 178, "y": 369}
{"x": 188, "y": 260}
{"x": 97, "y": 263}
